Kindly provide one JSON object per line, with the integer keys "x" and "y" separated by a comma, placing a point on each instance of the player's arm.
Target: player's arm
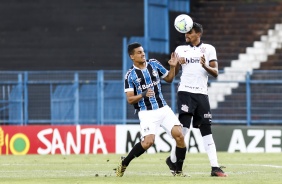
{"x": 133, "y": 99}
{"x": 171, "y": 74}
{"x": 173, "y": 62}
{"x": 180, "y": 60}
{"x": 177, "y": 68}
{"x": 212, "y": 68}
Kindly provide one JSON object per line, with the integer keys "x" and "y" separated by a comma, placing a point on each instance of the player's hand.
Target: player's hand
{"x": 173, "y": 59}
{"x": 203, "y": 61}
{"x": 150, "y": 93}
{"x": 181, "y": 60}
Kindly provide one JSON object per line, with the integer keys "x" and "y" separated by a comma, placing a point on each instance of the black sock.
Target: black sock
{"x": 136, "y": 151}
{"x": 180, "y": 157}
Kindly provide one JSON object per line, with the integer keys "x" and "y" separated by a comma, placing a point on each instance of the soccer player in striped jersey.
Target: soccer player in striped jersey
{"x": 143, "y": 90}
{"x": 198, "y": 60}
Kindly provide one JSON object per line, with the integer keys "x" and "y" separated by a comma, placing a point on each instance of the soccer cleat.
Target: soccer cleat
{"x": 180, "y": 174}
{"x": 120, "y": 169}
{"x": 170, "y": 165}
{"x": 216, "y": 171}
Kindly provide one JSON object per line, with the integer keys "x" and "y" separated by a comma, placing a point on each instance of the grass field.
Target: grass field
{"x": 148, "y": 168}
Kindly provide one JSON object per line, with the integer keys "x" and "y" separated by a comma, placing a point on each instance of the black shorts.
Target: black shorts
{"x": 196, "y": 105}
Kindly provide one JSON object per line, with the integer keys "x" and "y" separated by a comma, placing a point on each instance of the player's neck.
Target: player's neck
{"x": 195, "y": 43}
{"x": 140, "y": 65}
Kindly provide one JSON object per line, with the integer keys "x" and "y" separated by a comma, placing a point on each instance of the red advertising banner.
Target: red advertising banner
{"x": 44, "y": 139}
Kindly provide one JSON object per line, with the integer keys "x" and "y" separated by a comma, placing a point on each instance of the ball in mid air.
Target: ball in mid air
{"x": 183, "y": 23}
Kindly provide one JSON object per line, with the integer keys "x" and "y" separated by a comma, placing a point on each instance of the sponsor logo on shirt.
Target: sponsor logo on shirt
{"x": 138, "y": 80}
{"x": 208, "y": 115}
{"x": 154, "y": 83}
{"x": 146, "y": 86}
{"x": 193, "y": 60}
{"x": 192, "y": 87}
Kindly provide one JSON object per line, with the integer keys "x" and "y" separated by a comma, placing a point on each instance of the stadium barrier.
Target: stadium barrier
{"x": 97, "y": 98}
{"x": 91, "y": 139}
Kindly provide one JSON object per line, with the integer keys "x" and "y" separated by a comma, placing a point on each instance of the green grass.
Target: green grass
{"x": 148, "y": 168}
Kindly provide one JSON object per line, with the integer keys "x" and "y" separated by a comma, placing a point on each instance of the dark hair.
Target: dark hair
{"x": 132, "y": 46}
{"x": 198, "y": 28}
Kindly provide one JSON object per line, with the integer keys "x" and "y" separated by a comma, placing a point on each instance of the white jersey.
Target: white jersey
{"x": 194, "y": 77}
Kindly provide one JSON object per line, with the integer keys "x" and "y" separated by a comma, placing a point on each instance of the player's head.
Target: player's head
{"x": 131, "y": 47}
{"x": 194, "y": 35}
{"x": 198, "y": 28}
{"x": 136, "y": 53}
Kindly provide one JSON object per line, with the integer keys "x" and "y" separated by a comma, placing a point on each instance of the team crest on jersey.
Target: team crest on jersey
{"x": 184, "y": 108}
{"x": 155, "y": 73}
{"x": 203, "y": 49}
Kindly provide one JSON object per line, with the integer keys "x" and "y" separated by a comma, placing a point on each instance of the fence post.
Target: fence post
{"x": 146, "y": 45}
{"x": 19, "y": 100}
{"x": 248, "y": 97}
{"x": 124, "y": 69}
{"x": 100, "y": 97}
{"x": 76, "y": 98}
{"x": 25, "y": 86}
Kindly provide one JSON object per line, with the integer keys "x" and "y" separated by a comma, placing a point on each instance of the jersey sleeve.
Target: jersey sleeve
{"x": 212, "y": 54}
{"x": 163, "y": 72}
{"x": 128, "y": 82}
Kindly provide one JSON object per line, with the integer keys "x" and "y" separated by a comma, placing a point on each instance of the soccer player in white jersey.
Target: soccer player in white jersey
{"x": 143, "y": 90}
{"x": 198, "y": 60}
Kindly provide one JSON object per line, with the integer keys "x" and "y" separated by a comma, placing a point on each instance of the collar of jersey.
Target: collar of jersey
{"x": 193, "y": 45}
{"x": 140, "y": 68}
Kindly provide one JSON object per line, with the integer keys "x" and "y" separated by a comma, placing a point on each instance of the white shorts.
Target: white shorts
{"x": 151, "y": 120}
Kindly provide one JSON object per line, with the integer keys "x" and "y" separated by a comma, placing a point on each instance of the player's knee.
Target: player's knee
{"x": 180, "y": 142}
{"x": 147, "y": 143}
{"x": 178, "y": 135}
{"x": 205, "y": 129}
{"x": 176, "y": 132}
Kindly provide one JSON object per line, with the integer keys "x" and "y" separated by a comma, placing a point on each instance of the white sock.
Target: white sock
{"x": 211, "y": 150}
{"x": 172, "y": 153}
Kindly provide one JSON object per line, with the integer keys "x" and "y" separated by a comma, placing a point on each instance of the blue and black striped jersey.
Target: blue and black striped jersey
{"x": 139, "y": 80}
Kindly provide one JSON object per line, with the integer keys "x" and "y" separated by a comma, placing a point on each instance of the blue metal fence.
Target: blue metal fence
{"x": 97, "y": 97}
{"x": 63, "y": 97}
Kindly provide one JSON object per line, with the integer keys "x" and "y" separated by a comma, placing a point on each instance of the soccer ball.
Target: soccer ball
{"x": 183, "y": 23}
